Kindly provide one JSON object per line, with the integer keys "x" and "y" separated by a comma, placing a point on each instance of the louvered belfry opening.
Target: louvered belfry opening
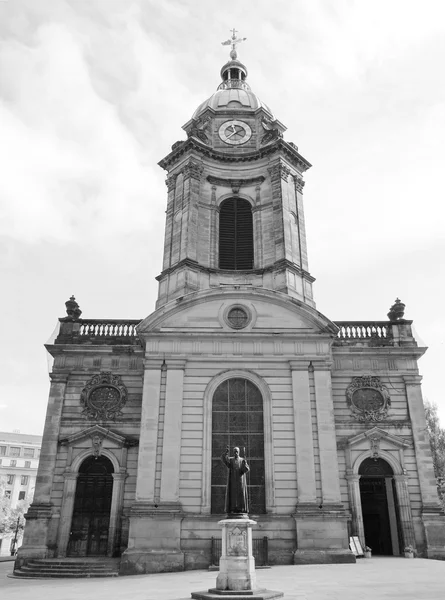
{"x": 235, "y": 235}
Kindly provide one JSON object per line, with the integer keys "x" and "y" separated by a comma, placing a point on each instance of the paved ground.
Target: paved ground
{"x": 369, "y": 579}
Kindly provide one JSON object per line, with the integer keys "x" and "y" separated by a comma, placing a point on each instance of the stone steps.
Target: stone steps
{"x": 69, "y": 568}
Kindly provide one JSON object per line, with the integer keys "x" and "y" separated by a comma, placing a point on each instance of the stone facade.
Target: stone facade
{"x": 340, "y": 400}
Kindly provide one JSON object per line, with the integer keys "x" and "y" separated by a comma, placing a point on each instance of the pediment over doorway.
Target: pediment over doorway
{"x": 380, "y": 434}
{"x": 98, "y": 432}
{"x": 375, "y": 443}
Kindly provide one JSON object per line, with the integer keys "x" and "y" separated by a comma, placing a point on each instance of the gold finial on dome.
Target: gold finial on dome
{"x": 233, "y": 41}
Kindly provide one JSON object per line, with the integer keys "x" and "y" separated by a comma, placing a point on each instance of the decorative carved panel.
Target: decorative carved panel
{"x": 103, "y": 397}
{"x": 368, "y": 399}
{"x": 237, "y": 542}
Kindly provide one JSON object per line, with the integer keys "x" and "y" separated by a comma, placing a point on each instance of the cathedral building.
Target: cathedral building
{"x": 329, "y": 415}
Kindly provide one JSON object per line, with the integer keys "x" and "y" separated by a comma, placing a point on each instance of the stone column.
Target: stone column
{"x": 38, "y": 530}
{"x": 330, "y": 480}
{"x": 405, "y": 515}
{"x": 427, "y": 480}
{"x": 115, "y": 511}
{"x": 171, "y": 453}
{"x": 355, "y": 502}
{"x": 66, "y": 514}
{"x": 149, "y": 430}
{"x": 304, "y": 443}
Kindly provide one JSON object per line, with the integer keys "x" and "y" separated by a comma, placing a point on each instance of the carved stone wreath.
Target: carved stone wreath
{"x": 368, "y": 399}
{"x": 103, "y": 397}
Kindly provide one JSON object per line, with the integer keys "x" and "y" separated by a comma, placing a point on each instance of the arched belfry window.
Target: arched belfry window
{"x": 237, "y": 420}
{"x": 235, "y": 235}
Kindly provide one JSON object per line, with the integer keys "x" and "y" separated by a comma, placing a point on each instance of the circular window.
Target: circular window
{"x": 237, "y": 318}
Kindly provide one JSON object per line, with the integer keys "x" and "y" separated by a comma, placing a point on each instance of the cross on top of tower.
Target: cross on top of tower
{"x": 233, "y": 41}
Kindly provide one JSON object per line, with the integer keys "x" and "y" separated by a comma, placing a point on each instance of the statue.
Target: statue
{"x": 237, "y": 503}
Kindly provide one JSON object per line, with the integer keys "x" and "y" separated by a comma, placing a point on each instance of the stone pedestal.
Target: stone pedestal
{"x": 236, "y": 578}
{"x": 236, "y": 565}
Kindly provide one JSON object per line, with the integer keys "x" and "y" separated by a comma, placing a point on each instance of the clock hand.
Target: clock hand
{"x": 236, "y": 131}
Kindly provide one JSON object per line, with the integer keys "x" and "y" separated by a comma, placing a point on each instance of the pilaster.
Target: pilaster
{"x": 48, "y": 453}
{"x": 115, "y": 512}
{"x": 355, "y": 502}
{"x": 189, "y": 239}
{"x": 171, "y": 452}
{"x": 330, "y": 479}
{"x": 304, "y": 443}
{"x": 278, "y": 173}
{"x": 41, "y": 523}
{"x": 427, "y": 480}
{"x": 149, "y": 431}
{"x": 405, "y": 514}
{"x": 66, "y": 514}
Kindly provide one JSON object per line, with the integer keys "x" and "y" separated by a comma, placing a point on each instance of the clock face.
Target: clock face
{"x": 235, "y": 132}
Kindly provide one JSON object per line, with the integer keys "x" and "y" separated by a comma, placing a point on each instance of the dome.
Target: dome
{"x": 233, "y": 92}
{"x": 222, "y": 99}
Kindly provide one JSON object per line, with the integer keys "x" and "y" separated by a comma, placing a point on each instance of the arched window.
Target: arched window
{"x": 235, "y": 235}
{"x": 237, "y": 420}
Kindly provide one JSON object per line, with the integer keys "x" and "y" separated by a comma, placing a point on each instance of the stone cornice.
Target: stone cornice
{"x": 237, "y": 183}
{"x": 277, "y": 266}
{"x": 181, "y": 148}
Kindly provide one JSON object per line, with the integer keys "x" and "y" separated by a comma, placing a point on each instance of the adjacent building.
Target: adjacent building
{"x": 328, "y": 414}
{"x": 19, "y": 459}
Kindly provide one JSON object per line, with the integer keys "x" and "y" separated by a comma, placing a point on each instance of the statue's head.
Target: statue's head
{"x": 236, "y": 452}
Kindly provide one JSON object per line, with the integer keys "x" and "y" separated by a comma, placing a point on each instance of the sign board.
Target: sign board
{"x": 355, "y": 546}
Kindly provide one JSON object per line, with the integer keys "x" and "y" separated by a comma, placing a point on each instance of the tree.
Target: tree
{"x": 437, "y": 442}
{"x": 10, "y": 515}
{"x": 437, "y": 438}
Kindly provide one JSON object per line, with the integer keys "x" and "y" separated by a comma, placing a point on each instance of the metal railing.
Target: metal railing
{"x": 260, "y": 549}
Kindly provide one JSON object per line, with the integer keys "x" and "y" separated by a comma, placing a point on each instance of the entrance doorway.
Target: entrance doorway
{"x": 92, "y": 504}
{"x": 379, "y": 507}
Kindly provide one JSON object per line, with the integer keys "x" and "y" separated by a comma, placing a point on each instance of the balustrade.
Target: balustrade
{"x": 96, "y": 328}
{"x": 373, "y": 332}
{"x": 98, "y": 331}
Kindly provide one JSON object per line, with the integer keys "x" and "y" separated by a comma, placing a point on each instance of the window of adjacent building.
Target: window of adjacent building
{"x": 2, "y": 450}
{"x": 27, "y": 464}
{"x": 24, "y": 480}
{"x": 13, "y": 463}
{"x": 9, "y": 479}
{"x": 14, "y": 451}
{"x": 7, "y": 493}
{"x": 237, "y": 420}
{"x": 22, "y": 495}
{"x": 29, "y": 452}
{"x": 235, "y": 235}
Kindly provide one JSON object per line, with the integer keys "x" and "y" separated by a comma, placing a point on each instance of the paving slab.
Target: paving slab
{"x": 370, "y": 579}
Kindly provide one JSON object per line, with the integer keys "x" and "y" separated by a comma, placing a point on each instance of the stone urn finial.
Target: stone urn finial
{"x": 72, "y": 308}
{"x": 396, "y": 311}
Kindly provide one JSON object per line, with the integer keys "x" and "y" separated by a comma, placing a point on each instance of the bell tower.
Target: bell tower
{"x": 235, "y": 212}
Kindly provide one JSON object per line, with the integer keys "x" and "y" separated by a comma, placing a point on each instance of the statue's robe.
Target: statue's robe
{"x": 236, "y": 491}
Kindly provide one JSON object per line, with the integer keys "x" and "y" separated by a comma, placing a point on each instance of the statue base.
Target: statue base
{"x": 236, "y": 578}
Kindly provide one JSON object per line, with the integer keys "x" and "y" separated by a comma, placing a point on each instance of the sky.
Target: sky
{"x": 93, "y": 93}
